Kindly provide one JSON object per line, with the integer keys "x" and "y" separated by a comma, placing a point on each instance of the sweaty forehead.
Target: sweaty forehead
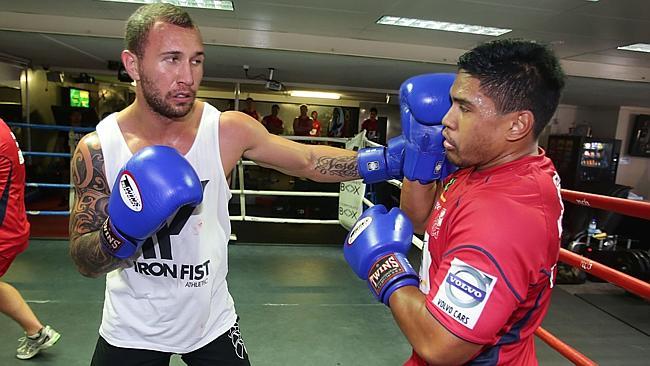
{"x": 465, "y": 85}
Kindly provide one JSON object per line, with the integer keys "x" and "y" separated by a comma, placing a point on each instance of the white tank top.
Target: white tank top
{"x": 175, "y": 297}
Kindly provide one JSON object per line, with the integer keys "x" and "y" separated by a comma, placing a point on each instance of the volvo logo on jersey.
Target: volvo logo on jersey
{"x": 464, "y": 292}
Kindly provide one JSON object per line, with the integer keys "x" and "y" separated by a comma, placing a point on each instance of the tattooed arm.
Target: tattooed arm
{"x": 88, "y": 211}
{"x": 241, "y": 135}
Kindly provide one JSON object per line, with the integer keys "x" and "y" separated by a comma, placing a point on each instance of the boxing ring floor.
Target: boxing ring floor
{"x": 302, "y": 305}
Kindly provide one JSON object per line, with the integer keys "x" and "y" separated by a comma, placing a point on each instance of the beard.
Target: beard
{"x": 157, "y": 101}
{"x": 454, "y": 159}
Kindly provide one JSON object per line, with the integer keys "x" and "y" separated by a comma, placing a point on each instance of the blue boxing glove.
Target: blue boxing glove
{"x": 381, "y": 163}
{"x": 376, "y": 250}
{"x": 151, "y": 187}
{"x": 424, "y": 101}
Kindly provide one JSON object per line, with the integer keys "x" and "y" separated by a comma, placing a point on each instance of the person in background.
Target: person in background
{"x": 371, "y": 126}
{"x": 335, "y": 128}
{"x": 315, "y": 126}
{"x": 303, "y": 124}
{"x": 14, "y": 239}
{"x": 272, "y": 122}
{"x": 250, "y": 109}
{"x": 347, "y": 123}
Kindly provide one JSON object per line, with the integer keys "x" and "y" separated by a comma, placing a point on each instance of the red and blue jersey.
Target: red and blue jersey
{"x": 492, "y": 245}
{"x": 14, "y": 227}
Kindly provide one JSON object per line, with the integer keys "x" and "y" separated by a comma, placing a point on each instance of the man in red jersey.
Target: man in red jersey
{"x": 371, "y": 126}
{"x": 14, "y": 236}
{"x": 492, "y": 229}
{"x": 302, "y": 124}
{"x": 250, "y": 109}
{"x": 315, "y": 126}
{"x": 272, "y": 122}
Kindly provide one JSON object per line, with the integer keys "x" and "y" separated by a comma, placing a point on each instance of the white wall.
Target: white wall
{"x": 632, "y": 170}
{"x": 10, "y": 75}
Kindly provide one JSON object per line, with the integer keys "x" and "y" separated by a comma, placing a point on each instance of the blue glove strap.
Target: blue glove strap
{"x": 403, "y": 281}
{"x": 390, "y": 272}
{"x": 372, "y": 164}
{"x": 423, "y": 166}
{"x": 395, "y": 156}
{"x": 115, "y": 243}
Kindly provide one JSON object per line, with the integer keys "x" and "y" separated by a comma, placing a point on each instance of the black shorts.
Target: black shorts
{"x": 228, "y": 350}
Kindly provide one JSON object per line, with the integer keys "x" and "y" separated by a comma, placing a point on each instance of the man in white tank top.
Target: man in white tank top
{"x": 146, "y": 316}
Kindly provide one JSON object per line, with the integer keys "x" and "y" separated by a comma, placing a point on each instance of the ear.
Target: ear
{"x": 521, "y": 125}
{"x": 130, "y": 62}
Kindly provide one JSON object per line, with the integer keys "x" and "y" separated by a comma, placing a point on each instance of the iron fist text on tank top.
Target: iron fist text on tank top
{"x": 175, "y": 297}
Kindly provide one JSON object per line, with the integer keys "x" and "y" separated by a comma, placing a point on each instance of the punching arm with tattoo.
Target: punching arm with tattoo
{"x": 88, "y": 213}
{"x": 250, "y": 139}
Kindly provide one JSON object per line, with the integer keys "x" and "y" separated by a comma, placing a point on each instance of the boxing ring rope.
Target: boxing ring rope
{"x": 37, "y": 126}
{"x": 618, "y": 205}
{"x": 564, "y": 349}
{"x": 241, "y": 191}
{"x": 30, "y": 154}
{"x": 615, "y": 204}
{"x": 608, "y": 274}
{"x": 626, "y": 207}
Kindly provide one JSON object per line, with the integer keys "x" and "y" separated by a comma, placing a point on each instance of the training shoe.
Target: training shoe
{"x": 28, "y": 347}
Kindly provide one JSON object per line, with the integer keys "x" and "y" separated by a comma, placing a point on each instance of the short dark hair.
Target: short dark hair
{"x": 373, "y": 109}
{"x": 249, "y": 99}
{"x": 517, "y": 75}
{"x": 275, "y": 106}
{"x": 140, "y": 22}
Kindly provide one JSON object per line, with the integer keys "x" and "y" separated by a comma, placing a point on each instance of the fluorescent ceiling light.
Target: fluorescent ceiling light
{"x": 313, "y": 94}
{"x": 442, "y": 26}
{"x": 638, "y": 47}
{"x": 201, "y": 4}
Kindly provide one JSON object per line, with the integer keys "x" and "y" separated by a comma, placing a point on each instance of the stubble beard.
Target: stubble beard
{"x": 454, "y": 159}
{"x": 157, "y": 102}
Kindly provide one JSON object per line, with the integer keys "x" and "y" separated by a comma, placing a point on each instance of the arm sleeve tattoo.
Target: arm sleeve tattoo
{"x": 88, "y": 211}
{"x": 343, "y": 166}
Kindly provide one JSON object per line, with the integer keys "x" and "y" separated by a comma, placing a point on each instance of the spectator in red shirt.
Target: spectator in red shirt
{"x": 272, "y": 122}
{"x": 14, "y": 236}
{"x": 315, "y": 126}
{"x": 302, "y": 124}
{"x": 371, "y": 127}
{"x": 250, "y": 109}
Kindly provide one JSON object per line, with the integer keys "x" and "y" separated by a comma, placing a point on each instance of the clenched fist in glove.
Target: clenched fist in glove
{"x": 424, "y": 101}
{"x": 151, "y": 187}
{"x": 376, "y": 249}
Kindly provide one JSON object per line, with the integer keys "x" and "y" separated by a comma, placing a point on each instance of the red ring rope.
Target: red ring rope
{"x": 564, "y": 349}
{"x": 621, "y": 205}
{"x": 629, "y": 283}
{"x": 620, "y": 279}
